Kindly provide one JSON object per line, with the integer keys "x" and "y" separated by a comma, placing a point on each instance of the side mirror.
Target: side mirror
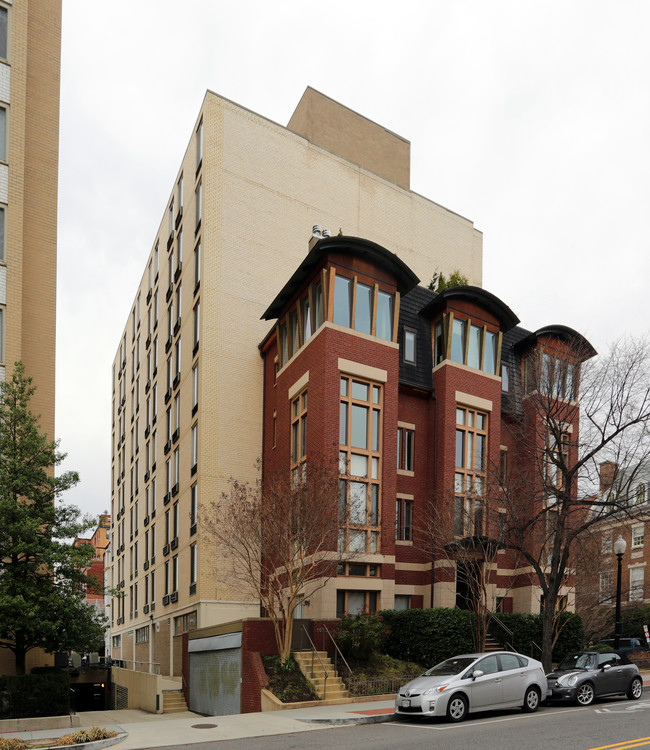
{"x": 606, "y": 667}
{"x": 477, "y": 673}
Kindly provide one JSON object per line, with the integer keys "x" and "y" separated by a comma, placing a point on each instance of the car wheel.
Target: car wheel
{"x": 531, "y": 700}
{"x": 457, "y": 708}
{"x": 635, "y": 691}
{"x": 585, "y": 695}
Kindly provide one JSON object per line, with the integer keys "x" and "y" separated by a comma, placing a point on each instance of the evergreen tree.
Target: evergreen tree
{"x": 42, "y": 577}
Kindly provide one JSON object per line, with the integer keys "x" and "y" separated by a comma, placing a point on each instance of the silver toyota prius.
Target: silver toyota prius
{"x": 474, "y": 682}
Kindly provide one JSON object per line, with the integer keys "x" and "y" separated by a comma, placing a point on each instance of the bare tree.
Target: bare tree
{"x": 577, "y": 413}
{"x": 281, "y": 536}
{"x": 464, "y": 540}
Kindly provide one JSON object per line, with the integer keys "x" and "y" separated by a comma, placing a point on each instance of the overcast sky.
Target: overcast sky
{"x": 532, "y": 119}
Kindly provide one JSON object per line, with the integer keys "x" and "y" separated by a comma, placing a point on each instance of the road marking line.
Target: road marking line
{"x": 628, "y": 743}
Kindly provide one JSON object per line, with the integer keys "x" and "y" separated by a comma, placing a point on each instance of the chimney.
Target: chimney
{"x": 608, "y": 471}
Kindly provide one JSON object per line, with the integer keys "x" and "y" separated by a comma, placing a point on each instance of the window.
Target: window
{"x": 366, "y": 320}
{"x": 197, "y": 322}
{"x": 404, "y": 519}
{"x": 638, "y": 533}
{"x": 605, "y": 588}
{"x": 4, "y": 35}
{"x": 177, "y": 357}
{"x": 361, "y": 570}
{"x": 410, "y": 338}
{"x": 197, "y": 264}
{"x": 185, "y": 623}
{"x": 194, "y": 504}
{"x": 402, "y": 602}
{"x": 199, "y": 144}
{"x": 195, "y": 386}
{"x": 363, "y": 308}
{"x": 3, "y": 134}
{"x": 356, "y": 602}
{"x": 471, "y": 344}
{"x": 2, "y": 234}
{"x": 193, "y": 560}
{"x": 176, "y": 521}
{"x": 505, "y": 378}
{"x": 551, "y": 376}
{"x": 142, "y": 634}
{"x": 179, "y": 194}
{"x": 636, "y": 584}
{"x": 606, "y": 543}
{"x": 359, "y": 465}
{"x": 176, "y": 469}
{"x": 471, "y": 445}
{"x": 405, "y": 448}
{"x": 175, "y": 573}
{"x": 117, "y": 641}
{"x": 195, "y": 445}
{"x": 197, "y": 200}
{"x": 639, "y": 495}
{"x": 2, "y": 334}
{"x": 171, "y": 216}
{"x": 556, "y": 459}
{"x": 298, "y": 434}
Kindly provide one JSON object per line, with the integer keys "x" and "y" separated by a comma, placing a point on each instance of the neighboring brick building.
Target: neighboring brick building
{"x": 30, "y": 52}
{"x": 186, "y": 418}
{"x": 99, "y": 541}
{"x": 596, "y": 588}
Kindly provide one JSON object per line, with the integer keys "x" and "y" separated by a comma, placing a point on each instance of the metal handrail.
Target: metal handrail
{"x": 338, "y": 651}
{"x": 313, "y": 651}
{"x": 493, "y": 618}
{"x": 537, "y": 646}
{"x": 153, "y": 667}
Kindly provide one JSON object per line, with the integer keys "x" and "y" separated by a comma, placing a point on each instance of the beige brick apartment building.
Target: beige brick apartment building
{"x": 30, "y": 53}
{"x": 187, "y": 376}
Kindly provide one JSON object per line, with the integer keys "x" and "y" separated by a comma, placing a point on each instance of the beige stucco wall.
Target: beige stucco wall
{"x": 143, "y": 688}
{"x": 264, "y": 187}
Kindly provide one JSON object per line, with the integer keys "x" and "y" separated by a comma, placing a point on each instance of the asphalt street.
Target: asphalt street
{"x": 612, "y": 725}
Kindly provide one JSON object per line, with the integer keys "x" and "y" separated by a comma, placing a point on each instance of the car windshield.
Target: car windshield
{"x": 451, "y": 666}
{"x": 578, "y": 661}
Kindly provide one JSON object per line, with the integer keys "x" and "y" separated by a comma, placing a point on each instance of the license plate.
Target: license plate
{"x": 406, "y": 704}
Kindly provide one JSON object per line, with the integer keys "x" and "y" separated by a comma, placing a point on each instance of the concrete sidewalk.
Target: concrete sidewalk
{"x": 147, "y": 730}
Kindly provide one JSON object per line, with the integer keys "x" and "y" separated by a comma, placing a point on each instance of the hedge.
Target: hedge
{"x": 527, "y": 634}
{"x": 26, "y": 695}
{"x": 428, "y": 636}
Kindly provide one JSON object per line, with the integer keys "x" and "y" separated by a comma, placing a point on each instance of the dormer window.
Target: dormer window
{"x": 470, "y": 344}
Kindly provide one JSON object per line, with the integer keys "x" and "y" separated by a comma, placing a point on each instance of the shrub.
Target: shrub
{"x": 428, "y": 636}
{"x": 7, "y": 743}
{"x": 25, "y": 695}
{"x": 360, "y": 635}
{"x": 527, "y": 633}
{"x": 286, "y": 681}
{"x": 86, "y": 735}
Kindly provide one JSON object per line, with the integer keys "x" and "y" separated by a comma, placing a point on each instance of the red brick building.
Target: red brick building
{"x": 417, "y": 393}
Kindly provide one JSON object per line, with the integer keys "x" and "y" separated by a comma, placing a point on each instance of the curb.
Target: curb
{"x": 96, "y": 745}
{"x": 381, "y": 718}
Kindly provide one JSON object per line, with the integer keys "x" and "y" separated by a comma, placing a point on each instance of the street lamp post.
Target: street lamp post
{"x": 619, "y": 550}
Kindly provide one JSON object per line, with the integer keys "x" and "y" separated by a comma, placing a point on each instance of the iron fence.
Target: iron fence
{"x": 360, "y": 685}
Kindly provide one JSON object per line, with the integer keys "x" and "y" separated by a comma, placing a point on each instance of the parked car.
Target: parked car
{"x": 583, "y": 676}
{"x": 625, "y": 645}
{"x": 474, "y": 682}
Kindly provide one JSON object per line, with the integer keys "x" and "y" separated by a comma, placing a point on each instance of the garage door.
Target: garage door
{"x": 215, "y": 675}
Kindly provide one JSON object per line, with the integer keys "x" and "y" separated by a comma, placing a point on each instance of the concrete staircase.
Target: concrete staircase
{"x": 335, "y": 691}
{"x": 491, "y": 644}
{"x": 173, "y": 701}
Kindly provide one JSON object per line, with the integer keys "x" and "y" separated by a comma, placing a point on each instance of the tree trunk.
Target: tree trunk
{"x": 20, "y": 655}
{"x": 547, "y": 633}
